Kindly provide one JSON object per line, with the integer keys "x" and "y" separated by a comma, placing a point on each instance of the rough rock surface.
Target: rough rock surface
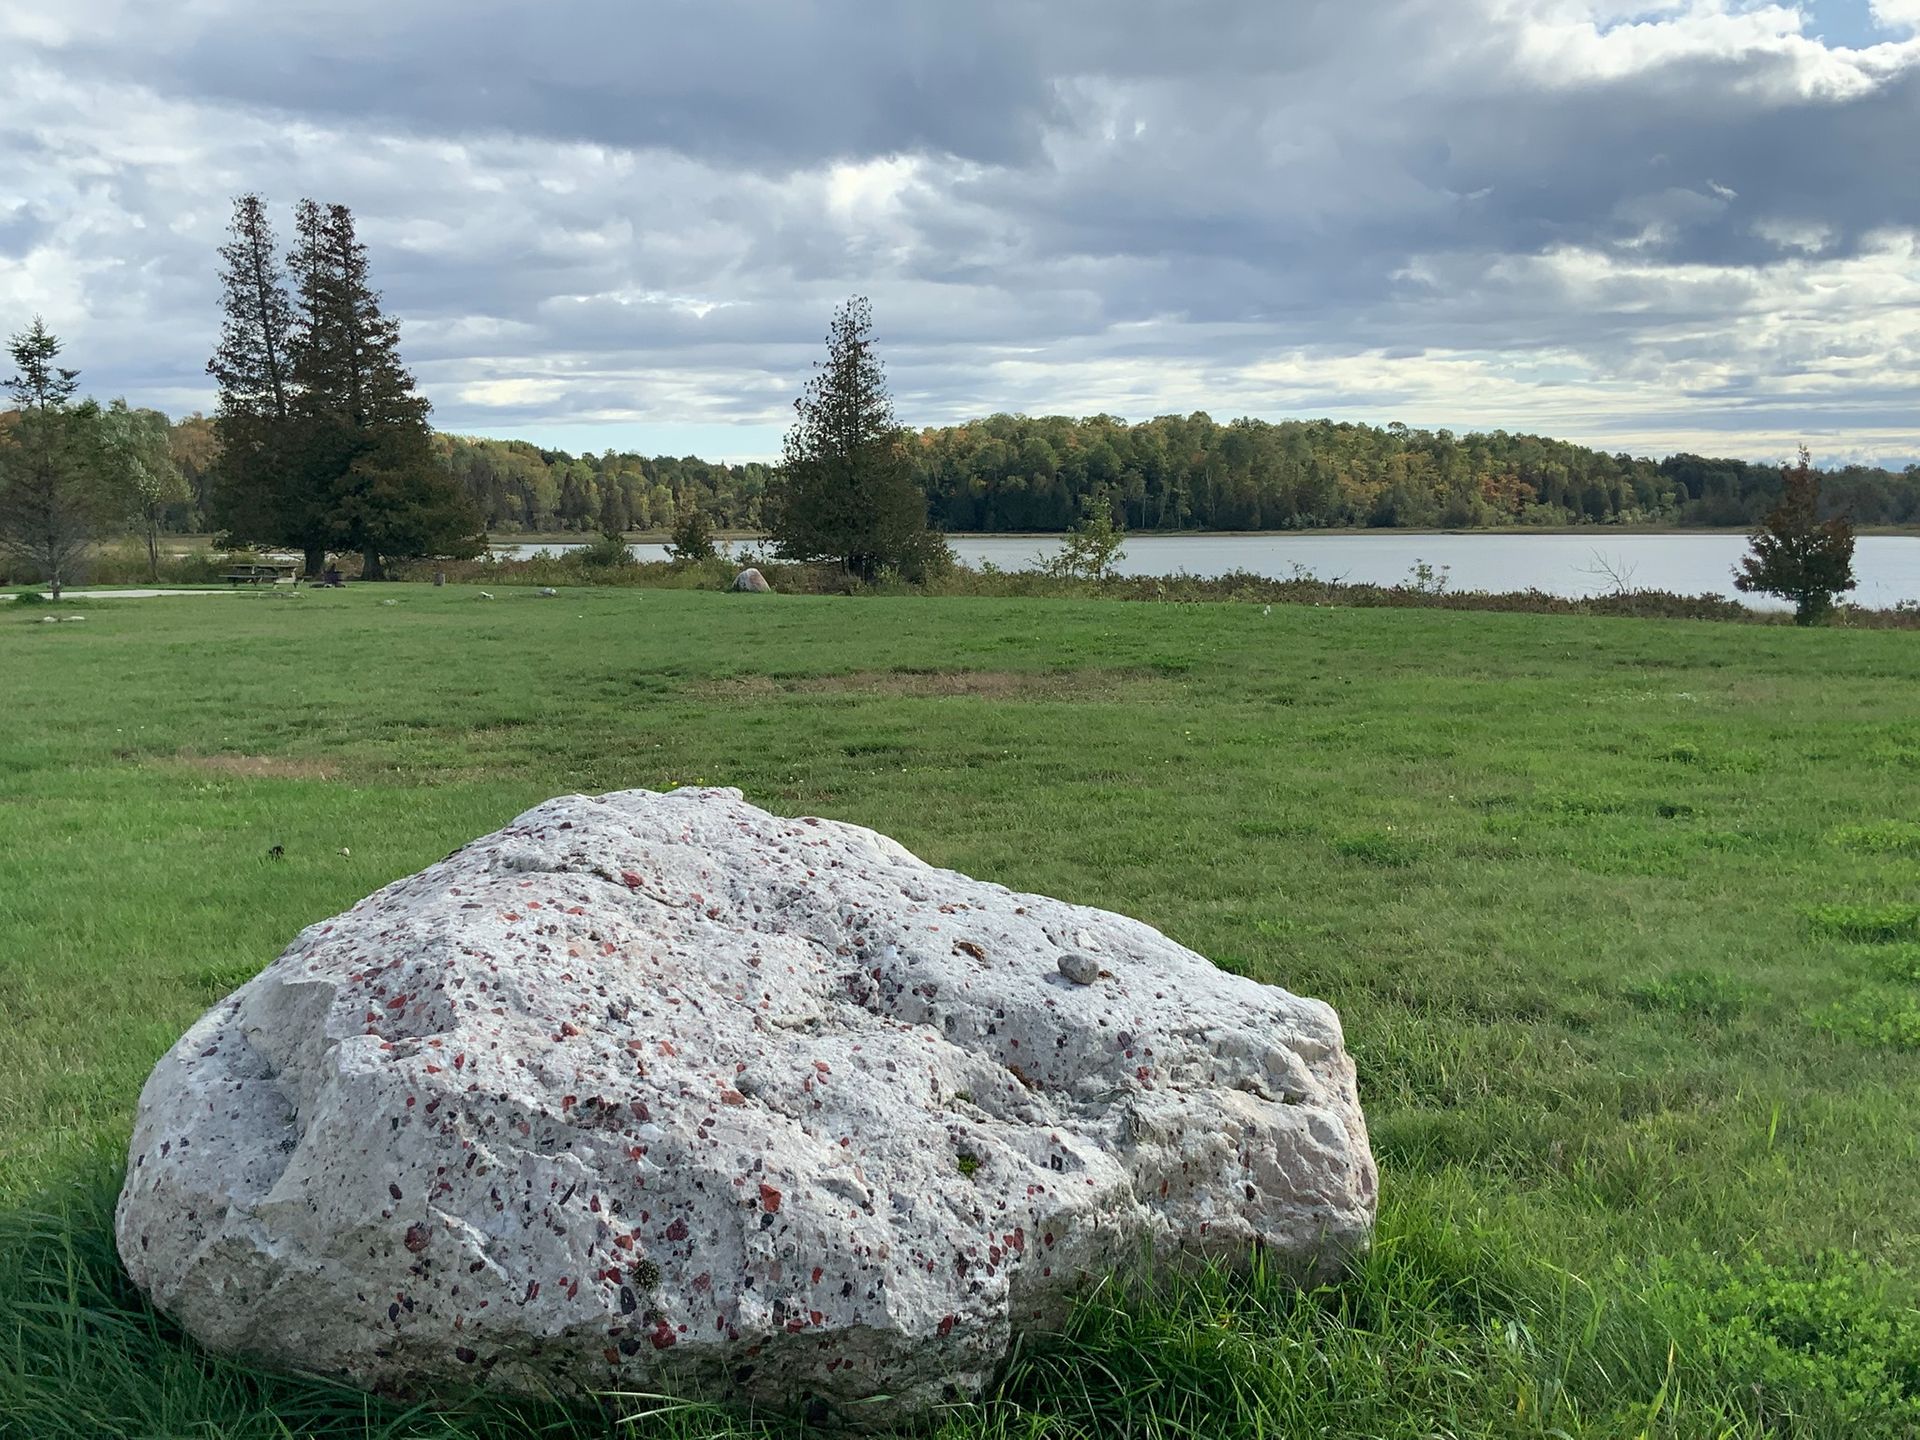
{"x": 665, "y": 1093}
{"x": 752, "y": 580}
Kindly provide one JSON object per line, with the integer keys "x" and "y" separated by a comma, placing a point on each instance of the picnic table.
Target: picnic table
{"x": 270, "y": 574}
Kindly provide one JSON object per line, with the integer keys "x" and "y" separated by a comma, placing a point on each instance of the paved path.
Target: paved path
{"x": 125, "y": 594}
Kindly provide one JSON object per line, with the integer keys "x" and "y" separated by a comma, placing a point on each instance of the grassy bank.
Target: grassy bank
{"x": 579, "y": 568}
{"x": 1618, "y": 916}
{"x": 125, "y": 565}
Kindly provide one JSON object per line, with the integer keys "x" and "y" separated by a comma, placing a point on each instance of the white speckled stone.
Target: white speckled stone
{"x": 665, "y": 1093}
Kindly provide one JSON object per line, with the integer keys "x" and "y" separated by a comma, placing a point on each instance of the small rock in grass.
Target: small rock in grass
{"x": 753, "y": 582}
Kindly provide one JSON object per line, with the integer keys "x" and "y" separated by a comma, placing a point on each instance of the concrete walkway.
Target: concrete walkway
{"x": 124, "y": 594}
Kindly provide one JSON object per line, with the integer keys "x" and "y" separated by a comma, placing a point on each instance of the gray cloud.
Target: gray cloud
{"x": 1540, "y": 214}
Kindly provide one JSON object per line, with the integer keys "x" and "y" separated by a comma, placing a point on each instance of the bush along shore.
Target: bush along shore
{"x": 591, "y": 566}
{"x": 600, "y": 564}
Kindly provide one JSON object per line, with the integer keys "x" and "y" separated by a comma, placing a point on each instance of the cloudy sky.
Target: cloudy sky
{"x": 1649, "y": 226}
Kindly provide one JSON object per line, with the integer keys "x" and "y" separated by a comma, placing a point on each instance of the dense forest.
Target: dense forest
{"x": 1021, "y": 473}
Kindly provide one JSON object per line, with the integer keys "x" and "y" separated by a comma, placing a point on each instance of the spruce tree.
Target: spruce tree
{"x": 258, "y": 495}
{"x": 845, "y": 491}
{"x": 364, "y": 450}
{"x": 325, "y": 443}
{"x": 1797, "y": 555}
{"x": 51, "y": 504}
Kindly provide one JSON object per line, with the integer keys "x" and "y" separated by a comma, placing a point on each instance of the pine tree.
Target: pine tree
{"x": 257, "y": 491}
{"x": 1797, "y": 555}
{"x": 364, "y": 451}
{"x": 846, "y": 490}
{"x": 325, "y": 443}
{"x": 51, "y": 506}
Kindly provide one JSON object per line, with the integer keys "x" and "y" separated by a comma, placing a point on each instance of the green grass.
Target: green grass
{"x": 1613, "y": 912}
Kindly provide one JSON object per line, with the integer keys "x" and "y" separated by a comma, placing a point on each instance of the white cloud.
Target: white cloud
{"x": 1632, "y": 223}
{"x": 1896, "y": 14}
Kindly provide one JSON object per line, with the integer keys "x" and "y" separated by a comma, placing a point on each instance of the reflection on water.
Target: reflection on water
{"x": 1888, "y": 567}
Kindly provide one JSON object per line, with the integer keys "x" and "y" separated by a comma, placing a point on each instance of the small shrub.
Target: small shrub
{"x": 1867, "y": 924}
{"x": 1829, "y": 1333}
{"x": 1091, "y": 548}
{"x": 692, "y": 539}
{"x": 1898, "y": 962}
{"x": 1887, "y": 837}
{"x": 926, "y": 559}
{"x": 606, "y": 551}
{"x": 1880, "y": 1022}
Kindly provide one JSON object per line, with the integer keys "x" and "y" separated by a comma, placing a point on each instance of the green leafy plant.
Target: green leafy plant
{"x": 1869, "y": 924}
{"x": 1885, "y": 837}
{"x": 607, "y": 551}
{"x": 1092, "y": 548}
{"x": 692, "y": 539}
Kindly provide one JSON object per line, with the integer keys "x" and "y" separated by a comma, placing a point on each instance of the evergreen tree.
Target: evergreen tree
{"x": 324, "y": 441}
{"x": 51, "y": 505}
{"x": 1797, "y": 555}
{"x": 256, "y": 493}
{"x": 846, "y": 490}
{"x": 365, "y": 454}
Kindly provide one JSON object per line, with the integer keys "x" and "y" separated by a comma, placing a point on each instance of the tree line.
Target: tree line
{"x": 321, "y": 444}
{"x": 985, "y": 476}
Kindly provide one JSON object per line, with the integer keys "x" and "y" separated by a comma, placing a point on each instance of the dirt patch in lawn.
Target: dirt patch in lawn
{"x": 257, "y": 767}
{"x": 937, "y": 684}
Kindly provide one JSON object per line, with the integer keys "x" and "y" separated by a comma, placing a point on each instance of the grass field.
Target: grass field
{"x": 1620, "y": 916}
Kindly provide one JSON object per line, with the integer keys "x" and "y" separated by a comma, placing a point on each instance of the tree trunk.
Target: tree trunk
{"x": 316, "y": 562}
{"x": 153, "y": 552}
{"x": 54, "y": 584}
{"x": 371, "y": 568}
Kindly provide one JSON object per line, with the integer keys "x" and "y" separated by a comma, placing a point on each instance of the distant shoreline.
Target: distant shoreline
{"x": 1597, "y": 532}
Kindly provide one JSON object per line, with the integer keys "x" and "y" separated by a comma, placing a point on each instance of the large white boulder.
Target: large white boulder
{"x": 665, "y": 1093}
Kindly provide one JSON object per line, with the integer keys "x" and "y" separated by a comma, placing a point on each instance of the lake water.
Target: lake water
{"x": 1888, "y": 566}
